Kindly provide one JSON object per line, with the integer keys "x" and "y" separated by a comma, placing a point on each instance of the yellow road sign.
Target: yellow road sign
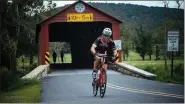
{"x": 83, "y": 17}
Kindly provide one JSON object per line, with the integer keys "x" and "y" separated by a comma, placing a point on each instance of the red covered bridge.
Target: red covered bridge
{"x": 79, "y": 24}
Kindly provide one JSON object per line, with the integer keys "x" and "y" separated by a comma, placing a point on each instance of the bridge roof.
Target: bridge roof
{"x": 68, "y": 6}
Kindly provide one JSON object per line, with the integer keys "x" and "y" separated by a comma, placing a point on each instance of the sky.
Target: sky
{"x": 172, "y": 3}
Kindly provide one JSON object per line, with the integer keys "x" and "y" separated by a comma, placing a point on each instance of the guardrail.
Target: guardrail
{"x": 131, "y": 70}
{"x": 38, "y": 72}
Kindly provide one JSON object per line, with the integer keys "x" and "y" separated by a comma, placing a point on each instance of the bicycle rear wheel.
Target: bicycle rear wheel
{"x": 103, "y": 86}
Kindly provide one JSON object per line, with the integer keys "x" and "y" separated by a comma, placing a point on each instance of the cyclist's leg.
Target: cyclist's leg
{"x": 96, "y": 63}
{"x": 105, "y": 67}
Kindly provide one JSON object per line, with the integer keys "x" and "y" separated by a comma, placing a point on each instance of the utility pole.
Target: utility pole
{"x": 165, "y": 29}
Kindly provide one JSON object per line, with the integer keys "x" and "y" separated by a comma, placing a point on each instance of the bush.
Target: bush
{"x": 33, "y": 66}
{"x": 151, "y": 69}
{"x": 179, "y": 69}
{"x": 7, "y": 78}
{"x": 179, "y": 73}
{"x": 23, "y": 82}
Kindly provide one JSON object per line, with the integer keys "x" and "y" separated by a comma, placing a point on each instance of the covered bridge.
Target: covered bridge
{"x": 79, "y": 24}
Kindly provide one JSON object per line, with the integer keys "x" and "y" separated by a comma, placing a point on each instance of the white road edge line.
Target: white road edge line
{"x": 145, "y": 92}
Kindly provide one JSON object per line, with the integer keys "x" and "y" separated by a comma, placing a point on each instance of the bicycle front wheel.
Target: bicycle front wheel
{"x": 103, "y": 86}
{"x": 95, "y": 88}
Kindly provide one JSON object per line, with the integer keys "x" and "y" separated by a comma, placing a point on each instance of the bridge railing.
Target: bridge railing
{"x": 131, "y": 70}
{"x": 38, "y": 72}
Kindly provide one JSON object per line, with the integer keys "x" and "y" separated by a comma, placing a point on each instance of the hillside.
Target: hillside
{"x": 153, "y": 16}
{"x": 138, "y": 13}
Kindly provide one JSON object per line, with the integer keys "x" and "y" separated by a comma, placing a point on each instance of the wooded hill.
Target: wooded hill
{"x": 151, "y": 18}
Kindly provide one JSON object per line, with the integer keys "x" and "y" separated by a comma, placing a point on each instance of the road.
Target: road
{"x": 74, "y": 87}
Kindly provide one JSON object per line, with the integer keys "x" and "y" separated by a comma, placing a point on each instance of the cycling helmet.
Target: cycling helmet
{"x": 107, "y": 32}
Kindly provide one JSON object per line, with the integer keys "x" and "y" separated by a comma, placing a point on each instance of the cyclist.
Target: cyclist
{"x": 103, "y": 45}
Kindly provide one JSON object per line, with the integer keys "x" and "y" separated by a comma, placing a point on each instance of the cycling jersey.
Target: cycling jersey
{"x": 103, "y": 44}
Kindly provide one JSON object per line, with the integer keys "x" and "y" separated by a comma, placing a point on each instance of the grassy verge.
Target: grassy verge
{"x": 133, "y": 56}
{"x": 158, "y": 68}
{"x": 26, "y": 91}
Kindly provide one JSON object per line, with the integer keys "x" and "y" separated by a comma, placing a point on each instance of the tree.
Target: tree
{"x": 143, "y": 42}
{"x": 149, "y": 43}
{"x": 3, "y": 7}
{"x": 27, "y": 35}
{"x": 19, "y": 30}
{"x": 157, "y": 50}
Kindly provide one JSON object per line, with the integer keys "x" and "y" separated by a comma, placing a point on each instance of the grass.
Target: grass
{"x": 26, "y": 63}
{"x": 67, "y": 59}
{"x": 27, "y": 92}
{"x": 142, "y": 64}
{"x": 133, "y": 56}
{"x": 158, "y": 67}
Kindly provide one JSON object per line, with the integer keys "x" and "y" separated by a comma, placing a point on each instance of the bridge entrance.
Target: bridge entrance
{"x": 80, "y": 36}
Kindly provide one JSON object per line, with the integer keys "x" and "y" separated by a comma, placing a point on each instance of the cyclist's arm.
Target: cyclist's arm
{"x": 114, "y": 48}
{"x": 93, "y": 51}
{"x": 94, "y": 45}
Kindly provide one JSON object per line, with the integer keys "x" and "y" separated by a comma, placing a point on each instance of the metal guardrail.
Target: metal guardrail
{"x": 131, "y": 70}
{"x": 38, "y": 72}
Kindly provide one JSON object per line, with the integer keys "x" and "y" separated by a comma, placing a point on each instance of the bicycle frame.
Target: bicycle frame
{"x": 102, "y": 70}
{"x": 99, "y": 82}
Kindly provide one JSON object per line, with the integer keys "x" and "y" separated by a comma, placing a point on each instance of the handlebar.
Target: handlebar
{"x": 104, "y": 56}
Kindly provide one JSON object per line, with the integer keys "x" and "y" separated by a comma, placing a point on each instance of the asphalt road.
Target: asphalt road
{"x": 74, "y": 87}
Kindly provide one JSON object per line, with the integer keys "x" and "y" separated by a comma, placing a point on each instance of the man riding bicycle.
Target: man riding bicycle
{"x": 103, "y": 45}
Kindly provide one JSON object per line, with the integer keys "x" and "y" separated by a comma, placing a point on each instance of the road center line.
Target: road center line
{"x": 145, "y": 92}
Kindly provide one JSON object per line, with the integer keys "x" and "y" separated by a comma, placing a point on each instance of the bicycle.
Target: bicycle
{"x": 98, "y": 83}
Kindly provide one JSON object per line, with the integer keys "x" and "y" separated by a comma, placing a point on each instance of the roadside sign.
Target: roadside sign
{"x": 173, "y": 40}
{"x": 83, "y": 17}
{"x": 118, "y": 44}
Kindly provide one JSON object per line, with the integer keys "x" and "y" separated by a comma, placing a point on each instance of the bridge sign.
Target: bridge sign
{"x": 118, "y": 44}
{"x": 83, "y": 17}
{"x": 173, "y": 40}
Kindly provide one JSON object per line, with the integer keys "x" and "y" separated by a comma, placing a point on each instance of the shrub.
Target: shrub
{"x": 33, "y": 66}
{"x": 179, "y": 69}
{"x": 7, "y": 78}
{"x": 151, "y": 69}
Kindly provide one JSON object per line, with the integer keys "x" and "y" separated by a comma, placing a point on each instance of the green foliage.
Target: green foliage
{"x": 179, "y": 69}
{"x": 33, "y": 66}
{"x": 143, "y": 42}
{"x": 126, "y": 40}
{"x": 10, "y": 80}
{"x": 157, "y": 67}
{"x": 26, "y": 91}
{"x": 7, "y": 78}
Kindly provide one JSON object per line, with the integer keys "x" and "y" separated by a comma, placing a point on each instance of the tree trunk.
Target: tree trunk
{"x": 150, "y": 57}
{"x": 165, "y": 51}
{"x": 143, "y": 57}
{"x": 2, "y": 17}
{"x": 124, "y": 55}
{"x": 14, "y": 53}
{"x": 31, "y": 59}
{"x": 13, "y": 62}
